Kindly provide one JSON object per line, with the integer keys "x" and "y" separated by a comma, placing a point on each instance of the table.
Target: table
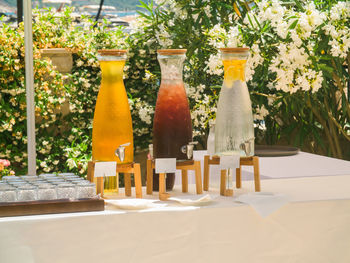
{"x": 313, "y": 227}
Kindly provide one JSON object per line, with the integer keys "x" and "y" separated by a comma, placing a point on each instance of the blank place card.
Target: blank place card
{"x": 229, "y": 161}
{"x": 105, "y": 169}
{"x": 165, "y": 165}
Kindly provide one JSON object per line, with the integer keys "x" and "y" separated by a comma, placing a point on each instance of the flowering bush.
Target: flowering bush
{"x": 296, "y": 72}
{"x": 63, "y": 143}
{"x": 4, "y": 168}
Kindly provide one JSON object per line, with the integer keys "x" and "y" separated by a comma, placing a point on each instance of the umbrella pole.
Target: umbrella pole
{"x": 29, "y": 82}
{"x": 19, "y": 11}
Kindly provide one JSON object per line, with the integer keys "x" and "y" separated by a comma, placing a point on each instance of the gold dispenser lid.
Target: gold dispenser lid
{"x": 112, "y": 52}
{"x": 234, "y": 49}
{"x": 171, "y": 51}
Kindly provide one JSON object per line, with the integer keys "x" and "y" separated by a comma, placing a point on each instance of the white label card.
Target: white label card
{"x": 165, "y": 165}
{"x": 229, "y": 161}
{"x": 199, "y": 155}
{"x": 105, "y": 169}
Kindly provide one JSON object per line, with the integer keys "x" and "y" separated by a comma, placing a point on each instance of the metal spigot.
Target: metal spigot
{"x": 120, "y": 151}
{"x": 246, "y": 147}
{"x": 188, "y": 149}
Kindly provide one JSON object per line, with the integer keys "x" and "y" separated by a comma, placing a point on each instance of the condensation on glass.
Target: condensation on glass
{"x": 234, "y": 128}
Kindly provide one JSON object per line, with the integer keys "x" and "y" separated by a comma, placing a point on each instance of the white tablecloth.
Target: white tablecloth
{"x": 313, "y": 227}
{"x": 300, "y": 165}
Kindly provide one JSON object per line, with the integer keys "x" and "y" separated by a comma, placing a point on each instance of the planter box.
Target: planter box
{"x": 60, "y": 57}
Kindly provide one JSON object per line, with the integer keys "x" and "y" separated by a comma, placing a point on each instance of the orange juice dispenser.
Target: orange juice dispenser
{"x": 112, "y": 124}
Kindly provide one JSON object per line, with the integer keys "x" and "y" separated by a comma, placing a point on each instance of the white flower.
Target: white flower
{"x": 71, "y": 163}
{"x": 261, "y": 113}
{"x": 215, "y": 66}
{"x": 207, "y": 10}
{"x": 341, "y": 10}
{"x": 80, "y": 63}
{"x": 171, "y": 22}
{"x": 294, "y": 71}
{"x": 272, "y": 11}
{"x": 18, "y": 159}
{"x": 217, "y": 36}
{"x": 234, "y": 38}
{"x": 144, "y": 111}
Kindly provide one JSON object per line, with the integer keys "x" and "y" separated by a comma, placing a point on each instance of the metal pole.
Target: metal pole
{"x": 29, "y": 82}
{"x": 19, "y": 11}
{"x": 99, "y": 12}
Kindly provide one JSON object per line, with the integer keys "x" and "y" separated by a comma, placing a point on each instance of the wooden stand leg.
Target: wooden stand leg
{"x": 149, "y": 180}
{"x": 91, "y": 171}
{"x": 206, "y": 173}
{"x": 198, "y": 175}
{"x": 228, "y": 192}
{"x": 184, "y": 181}
{"x": 223, "y": 190}
{"x": 99, "y": 185}
{"x": 162, "y": 194}
{"x": 97, "y": 180}
{"x": 223, "y": 182}
{"x": 256, "y": 173}
{"x": 127, "y": 183}
{"x": 238, "y": 177}
{"x": 137, "y": 179}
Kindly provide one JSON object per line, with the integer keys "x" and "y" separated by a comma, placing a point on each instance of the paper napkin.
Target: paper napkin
{"x": 263, "y": 203}
{"x": 132, "y": 203}
{"x": 194, "y": 200}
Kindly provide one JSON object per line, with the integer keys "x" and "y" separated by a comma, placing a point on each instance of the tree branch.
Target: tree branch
{"x": 339, "y": 126}
{"x": 324, "y": 125}
{"x": 333, "y": 131}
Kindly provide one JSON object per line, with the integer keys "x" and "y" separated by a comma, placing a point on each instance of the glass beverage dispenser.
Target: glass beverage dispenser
{"x": 112, "y": 124}
{"x": 172, "y": 126}
{"x": 234, "y": 128}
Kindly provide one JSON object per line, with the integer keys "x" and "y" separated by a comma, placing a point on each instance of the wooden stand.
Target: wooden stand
{"x": 215, "y": 160}
{"x": 127, "y": 169}
{"x": 184, "y": 166}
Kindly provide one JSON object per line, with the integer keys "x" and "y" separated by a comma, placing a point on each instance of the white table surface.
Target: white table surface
{"x": 313, "y": 227}
{"x": 300, "y": 165}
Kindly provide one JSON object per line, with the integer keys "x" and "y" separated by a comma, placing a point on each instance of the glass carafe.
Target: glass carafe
{"x": 112, "y": 124}
{"x": 234, "y": 128}
{"x": 172, "y": 126}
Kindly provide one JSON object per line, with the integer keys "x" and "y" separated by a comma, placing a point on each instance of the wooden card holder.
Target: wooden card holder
{"x": 127, "y": 169}
{"x": 184, "y": 166}
{"x": 215, "y": 160}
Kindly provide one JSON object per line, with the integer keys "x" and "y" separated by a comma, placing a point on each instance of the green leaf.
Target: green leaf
{"x": 345, "y": 103}
{"x": 294, "y": 24}
{"x": 144, "y": 15}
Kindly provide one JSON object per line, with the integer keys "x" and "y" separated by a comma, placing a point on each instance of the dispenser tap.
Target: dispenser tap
{"x": 188, "y": 149}
{"x": 246, "y": 147}
{"x": 120, "y": 151}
